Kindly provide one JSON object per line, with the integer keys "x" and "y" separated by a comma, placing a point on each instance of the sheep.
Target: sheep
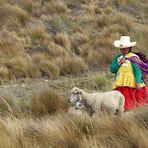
{"x": 111, "y": 101}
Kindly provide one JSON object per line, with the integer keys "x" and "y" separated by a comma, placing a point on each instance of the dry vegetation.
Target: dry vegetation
{"x": 55, "y": 45}
{"x": 59, "y": 32}
{"x": 34, "y": 113}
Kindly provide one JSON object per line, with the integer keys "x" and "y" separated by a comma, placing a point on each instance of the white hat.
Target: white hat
{"x": 124, "y": 42}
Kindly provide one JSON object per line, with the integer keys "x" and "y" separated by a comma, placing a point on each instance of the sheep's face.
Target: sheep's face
{"x": 80, "y": 106}
{"x": 75, "y": 95}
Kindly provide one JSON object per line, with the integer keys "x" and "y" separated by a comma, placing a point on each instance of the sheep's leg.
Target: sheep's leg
{"x": 121, "y": 105}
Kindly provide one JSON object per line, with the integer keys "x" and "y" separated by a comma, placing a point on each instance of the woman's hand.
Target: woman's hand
{"x": 121, "y": 61}
{"x": 138, "y": 85}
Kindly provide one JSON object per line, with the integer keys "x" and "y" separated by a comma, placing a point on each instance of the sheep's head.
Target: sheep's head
{"x": 75, "y": 95}
{"x": 80, "y": 106}
{"x": 83, "y": 105}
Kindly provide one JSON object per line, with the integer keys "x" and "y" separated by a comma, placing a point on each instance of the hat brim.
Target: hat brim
{"x": 118, "y": 44}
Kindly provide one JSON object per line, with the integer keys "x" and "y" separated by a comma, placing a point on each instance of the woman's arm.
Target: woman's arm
{"x": 114, "y": 65}
{"x": 137, "y": 73}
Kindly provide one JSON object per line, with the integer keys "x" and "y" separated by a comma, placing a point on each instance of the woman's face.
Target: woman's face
{"x": 124, "y": 51}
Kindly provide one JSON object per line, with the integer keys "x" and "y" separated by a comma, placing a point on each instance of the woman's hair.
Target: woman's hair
{"x": 130, "y": 49}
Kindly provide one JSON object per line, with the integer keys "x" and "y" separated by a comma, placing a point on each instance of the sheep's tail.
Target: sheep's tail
{"x": 121, "y": 104}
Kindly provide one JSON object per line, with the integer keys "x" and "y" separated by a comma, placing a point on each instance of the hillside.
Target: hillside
{"x": 51, "y": 38}
{"x": 49, "y": 46}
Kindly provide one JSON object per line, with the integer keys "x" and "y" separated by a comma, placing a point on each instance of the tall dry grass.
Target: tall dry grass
{"x": 72, "y": 65}
{"x": 13, "y": 16}
{"x": 57, "y": 7}
{"x": 81, "y": 28}
{"x": 22, "y": 66}
{"x": 55, "y": 50}
{"x": 100, "y": 81}
{"x": 38, "y": 34}
{"x": 63, "y": 40}
{"x": 45, "y": 66}
{"x": 139, "y": 34}
{"x": 47, "y": 102}
{"x": 27, "y": 5}
{"x": 73, "y": 131}
{"x": 77, "y": 40}
{"x": 44, "y": 120}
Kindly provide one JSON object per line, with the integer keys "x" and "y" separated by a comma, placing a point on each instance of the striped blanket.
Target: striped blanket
{"x": 142, "y": 65}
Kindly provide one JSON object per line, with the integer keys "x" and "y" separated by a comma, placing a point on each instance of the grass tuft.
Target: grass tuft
{"x": 47, "y": 101}
{"x": 62, "y": 39}
{"x": 100, "y": 81}
{"x": 72, "y": 65}
{"x": 57, "y": 7}
{"x": 9, "y": 12}
{"x": 46, "y": 67}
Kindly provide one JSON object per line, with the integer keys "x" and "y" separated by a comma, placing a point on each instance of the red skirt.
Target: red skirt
{"x": 134, "y": 97}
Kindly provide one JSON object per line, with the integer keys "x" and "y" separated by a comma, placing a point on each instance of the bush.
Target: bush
{"x": 46, "y": 66}
{"x": 62, "y": 39}
{"x": 72, "y": 65}
{"x": 47, "y": 101}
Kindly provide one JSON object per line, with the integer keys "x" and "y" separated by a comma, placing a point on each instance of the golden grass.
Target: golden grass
{"x": 47, "y": 101}
{"x": 123, "y": 19}
{"x": 9, "y": 12}
{"x": 104, "y": 41}
{"x": 115, "y": 28}
{"x": 62, "y": 39}
{"x": 86, "y": 20}
{"x": 47, "y": 122}
{"x": 90, "y": 8}
{"x": 55, "y": 50}
{"x": 27, "y": 5}
{"x": 57, "y": 23}
{"x": 139, "y": 33}
{"x": 100, "y": 81}
{"x": 72, "y": 65}
{"x": 108, "y": 10}
{"x": 97, "y": 57}
{"x": 124, "y": 3}
{"x": 81, "y": 28}
{"x": 46, "y": 67}
{"x": 57, "y": 7}
{"x": 9, "y": 48}
{"x": 78, "y": 39}
{"x": 38, "y": 34}
{"x": 2, "y": 2}
{"x": 94, "y": 58}
{"x": 69, "y": 36}
{"x": 4, "y": 73}
{"x": 73, "y": 131}
{"x": 103, "y": 20}
{"x": 21, "y": 66}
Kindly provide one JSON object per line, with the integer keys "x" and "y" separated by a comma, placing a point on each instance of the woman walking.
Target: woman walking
{"x": 130, "y": 73}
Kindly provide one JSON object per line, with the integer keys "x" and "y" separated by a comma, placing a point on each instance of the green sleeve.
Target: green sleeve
{"x": 114, "y": 65}
{"x": 137, "y": 73}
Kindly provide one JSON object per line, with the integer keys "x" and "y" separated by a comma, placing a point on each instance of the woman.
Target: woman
{"x": 128, "y": 78}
